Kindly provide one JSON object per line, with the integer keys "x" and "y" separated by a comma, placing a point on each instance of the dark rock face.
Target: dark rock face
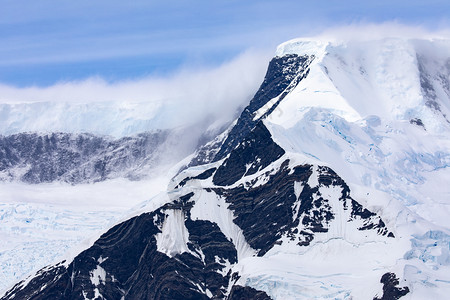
{"x": 245, "y": 292}
{"x": 125, "y": 262}
{"x": 256, "y": 151}
{"x": 203, "y": 175}
{"x": 431, "y": 82}
{"x": 390, "y": 289}
{"x": 428, "y": 91}
{"x": 283, "y": 74}
{"x": 417, "y": 121}
{"x": 74, "y": 158}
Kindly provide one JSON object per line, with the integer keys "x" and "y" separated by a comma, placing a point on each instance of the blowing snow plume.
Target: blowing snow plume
{"x": 92, "y": 130}
{"x": 188, "y": 97}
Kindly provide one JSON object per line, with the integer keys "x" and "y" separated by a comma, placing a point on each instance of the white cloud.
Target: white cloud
{"x": 374, "y": 31}
{"x": 185, "y": 97}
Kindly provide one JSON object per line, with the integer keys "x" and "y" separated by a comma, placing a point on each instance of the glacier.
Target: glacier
{"x": 44, "y": 223}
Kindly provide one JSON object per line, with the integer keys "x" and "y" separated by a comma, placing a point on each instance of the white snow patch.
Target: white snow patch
{"x": 98, "y": 275}
{"x": 174, "y": 236}
{"x": 313, "y": 180}
{"x": 211, "y": 207}
{"x": 298, "y": 188}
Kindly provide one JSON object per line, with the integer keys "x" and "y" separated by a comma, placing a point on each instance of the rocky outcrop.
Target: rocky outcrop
{"x": 391, "y": 291}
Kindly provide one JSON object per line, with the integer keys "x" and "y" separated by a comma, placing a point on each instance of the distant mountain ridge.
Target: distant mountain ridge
{"x": 74, "y": 158}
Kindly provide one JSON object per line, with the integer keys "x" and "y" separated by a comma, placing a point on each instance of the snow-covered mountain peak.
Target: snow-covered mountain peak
{"x": 372, "y": 109}
{"x": 303, "y": 46}
{"x": 397, "y": 79}
{"x": 332, "y": 183}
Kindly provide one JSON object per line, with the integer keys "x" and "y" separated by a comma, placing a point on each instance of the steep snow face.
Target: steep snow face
{"x": 174, "y": 235}
{"x": 395, "y": 79}
{"x": 376, "y": 112}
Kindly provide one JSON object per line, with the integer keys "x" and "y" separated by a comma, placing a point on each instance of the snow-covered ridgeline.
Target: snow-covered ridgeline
{"x": 396, "y": 79}
{"x": 113, "y": 118}
{"x": 376, "y": 112}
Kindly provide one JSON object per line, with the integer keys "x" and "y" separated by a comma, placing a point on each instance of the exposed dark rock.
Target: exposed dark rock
{"x": 417, "y": 122}
{"x": 427, "y": 87}
{"x": 203, "y": 175}
{"x": 245, "y": 293}
{"x": 206, "y": 153}
{"x": 390, "y": 289}
{"x": 283, "y": 74}
{"x": 255, "y": 152}
{"x": 430, "y": 82}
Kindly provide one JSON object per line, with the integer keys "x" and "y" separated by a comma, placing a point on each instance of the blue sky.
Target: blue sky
{"x": 46, "y": 42}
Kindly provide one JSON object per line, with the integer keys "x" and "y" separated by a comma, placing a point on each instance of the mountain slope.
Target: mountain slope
{"x": 189, "y": 253}
{"x": 331, "y": 184}
{"x": 82, "y": 157}
{"x": 74, "y": 158}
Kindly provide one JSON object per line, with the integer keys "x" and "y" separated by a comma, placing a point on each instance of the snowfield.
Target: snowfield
{"x": 43, "y": 224}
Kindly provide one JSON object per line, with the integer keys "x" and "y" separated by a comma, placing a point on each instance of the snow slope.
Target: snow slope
{"x": 41, "y": 224}
{"x": 376, "y": 112}
{"x": 359, "y": 111}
